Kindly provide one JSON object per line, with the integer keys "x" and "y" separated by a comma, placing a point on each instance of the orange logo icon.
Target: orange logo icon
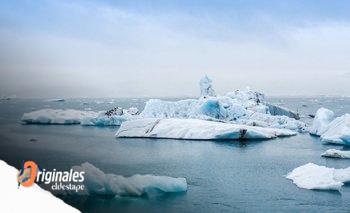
{"x": 27, "y": 174}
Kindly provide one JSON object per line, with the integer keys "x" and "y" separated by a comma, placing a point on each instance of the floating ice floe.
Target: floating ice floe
{"x": 26, "y": 199}
{"x": 71, "y": 116}
{"x": 195, "y": 129}
{"x": 56, "y": 116}
{"x": 321, "y": 121}
{"x": 334, "y": 153}
{"x": 98, "y": 183}
{"x": 55, "y": 100}
{"x": 312, "y": 176}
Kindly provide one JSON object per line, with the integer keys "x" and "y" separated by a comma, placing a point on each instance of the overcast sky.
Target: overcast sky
{"x": 162, "y": 48}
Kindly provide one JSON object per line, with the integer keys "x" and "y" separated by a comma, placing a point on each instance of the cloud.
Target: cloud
{"x": 99, "y": 50}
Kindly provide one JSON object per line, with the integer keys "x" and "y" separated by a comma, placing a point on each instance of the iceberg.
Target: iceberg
{"x": 195, "y": 129}
{"x": 331, "y": 130}
{"x": 26, "y": 199}
{"x": 334, "y": 153}
{"x": 71, "y": 116}
{"x": 56, "y": 116}
{"x": 338, "y": 131}
{"x": 98, "y": 183}
{"x": 312, "y": 176}
{"x": 321, "y": 121}
{"x": 241, "y": 107}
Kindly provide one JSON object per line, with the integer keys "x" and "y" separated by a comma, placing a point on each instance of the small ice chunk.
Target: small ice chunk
{"x": 334, "y": 153}
{"x": 97, "y": 182}
{"x": 195, "y": 129}
{"x": 55, "y": 100}
{"x": 321, "y": 121}
{"x": 312, "y": 176}
{"x": 206, "y": 87}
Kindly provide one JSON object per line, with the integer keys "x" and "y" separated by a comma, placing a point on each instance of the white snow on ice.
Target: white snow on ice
{"x": 195, "y": 129}
{"x": 335, "y": 153}
{"x": 312, "y": 176}
{"x": 26, "y": 199}
{"x": 97, "y": 182}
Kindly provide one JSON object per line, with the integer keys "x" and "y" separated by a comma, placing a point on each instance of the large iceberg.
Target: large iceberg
{"x": 98, "y": 183}
{"x": 233, "y": 109}
{"x": 334, "y": 153}
{"x": 321, "y": 121}
{"x": 240, "y": 107}
{"x": 312, "y": 176}
{"x": 71, "y": 116}
{"x": 26, "y": 199}
{"x": 195, "y": 129}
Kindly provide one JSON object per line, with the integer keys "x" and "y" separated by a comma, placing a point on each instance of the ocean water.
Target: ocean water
{"x": 228, "y": 176}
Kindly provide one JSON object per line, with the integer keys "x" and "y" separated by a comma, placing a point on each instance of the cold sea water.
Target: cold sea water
{"x": 230, "y": 176}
